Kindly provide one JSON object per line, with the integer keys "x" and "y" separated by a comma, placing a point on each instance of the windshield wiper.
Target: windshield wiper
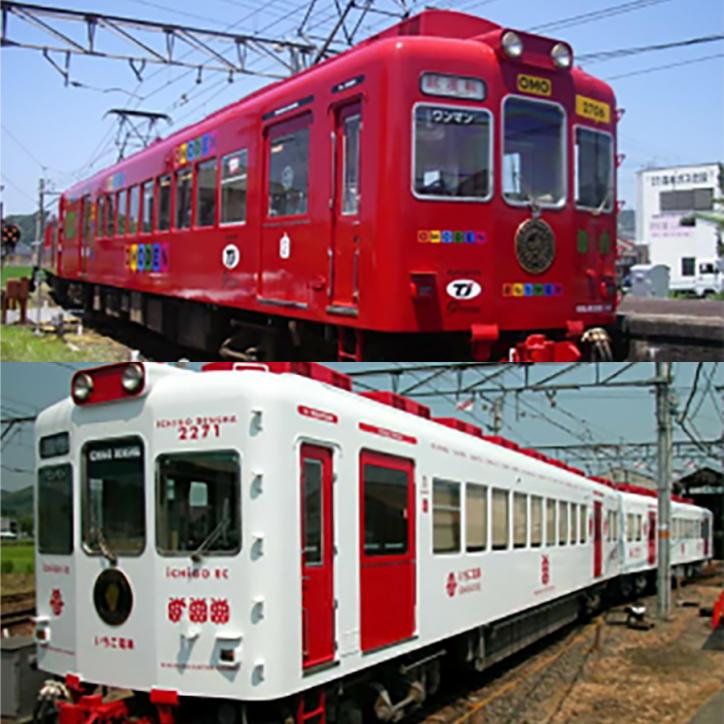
{"x": 104, "y": 546}
{"x": 219, "y": 530}
{"x": 602, "y": 206}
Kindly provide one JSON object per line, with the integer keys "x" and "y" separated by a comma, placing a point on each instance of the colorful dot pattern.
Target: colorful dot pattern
{"x": 449, "y": 236}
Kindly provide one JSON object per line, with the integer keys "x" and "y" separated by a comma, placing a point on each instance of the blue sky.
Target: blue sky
{"x": 599, "y": 415}
{"x": 673, "y": 115}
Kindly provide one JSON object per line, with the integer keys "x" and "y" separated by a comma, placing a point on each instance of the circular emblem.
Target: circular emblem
{"x": 230, "y": 256}
{"x": 113, "y": 597}
{"x": 535, "y": 246}
{"x": 463, "y": 289}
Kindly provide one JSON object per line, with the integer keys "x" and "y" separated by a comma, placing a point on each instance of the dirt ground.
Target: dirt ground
{"x": 607, "y": 672}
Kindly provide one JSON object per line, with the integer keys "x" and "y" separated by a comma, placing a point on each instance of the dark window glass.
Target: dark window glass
{"x": 134, "y": 209}
{"x": 101, "y": 218}
{"x": 350, "y": 195}
{"x": 562, "y": 523}
{"x": 183, "y": 199}
{"x": 110, "y": 215}
{"x": 113, "y": 496}
{"x": 594, "y": 170}
{"x": 445, "y": 516}
{"x": 55, "y": 510}
{"x": 54, "y": 445}
{"x": 533, "y": 152}
{"x": 87, "y": 213}
{"x": 198, "y": 503}
{"x": 122, "y": 203}
{"x": 688, "y": 266}
{"x": 164, "y": 203}
{"x": 687, "y": 200}
{"x": 312, "y": 518}
{"x": 452, "y": 152}
{"x": 233, "y": 188}
{"x": 206, "y": 193}
{"x": 147, "y": 215}
{"x": 385, "y": 493}
{"x": 288, "y": 174}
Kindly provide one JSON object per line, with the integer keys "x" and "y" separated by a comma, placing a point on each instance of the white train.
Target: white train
{"x": 259, "y": 543}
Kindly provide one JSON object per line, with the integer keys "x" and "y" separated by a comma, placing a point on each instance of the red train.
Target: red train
{"x": 446, "y": 188}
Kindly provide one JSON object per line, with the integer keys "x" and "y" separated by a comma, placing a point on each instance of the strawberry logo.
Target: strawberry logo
{"x": 176, "y": 609}
{"x": 545, "y": 570}
{"x": 219, "y": 611}
{"x": 56, "y": 602}
{"x": 451, "y": 585}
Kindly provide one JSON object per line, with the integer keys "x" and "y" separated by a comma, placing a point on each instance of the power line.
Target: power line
{"x": 656, "y": 68}
{"x": 627, "y": 52}
{"x": 597, "y": 15}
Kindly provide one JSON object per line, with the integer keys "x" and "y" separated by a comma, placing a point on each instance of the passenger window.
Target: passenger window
{"x": 71, "y": 224}
{"x": 350, "y": 196}
{"x": 312, "y": 511}
{"x": 122, "y": 203}
{"x": 164, "y": 203}
{"x": 183, "y": 198}
{"x": 87, "y": 212}
{"x": 198, "y": 503}
{"x": 147, "y": 215}
{"x": 536, "y": 521}
{"x": 550, "y": 522}
{"x": 55, "y": 510}
{"x": 520, "y": 520}
{"x": 501, "y": 525}
{"x": 110, "y": 214}
{"x": 629, "y": 527}
{"x": 594, "y": 170}
{"x": 446, "y": 516}
{"x": 233, "y": 188}
{"x": 289, "y": 174}
{"x": 476, "y": 517}
{"x": 638, "y": 527}
{"x": 134, "y": 209}
{"x": 583, "y": 524}
{"x": 562, "y": 523}
{"x": 386, "y": 510}
{"x": 113, "y": 496}
{"x": 574, "y": 522}
{"x": 101, "y": 217}
{"x": 206, "y": 193}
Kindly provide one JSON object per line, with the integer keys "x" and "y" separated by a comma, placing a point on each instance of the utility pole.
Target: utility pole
{"x": 40, "y": 238}
{"x": 497, "y": 425}
{"x": 663, "y": 420}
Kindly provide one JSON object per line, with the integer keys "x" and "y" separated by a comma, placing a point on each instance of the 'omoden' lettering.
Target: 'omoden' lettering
{"x": 535, "y": 85}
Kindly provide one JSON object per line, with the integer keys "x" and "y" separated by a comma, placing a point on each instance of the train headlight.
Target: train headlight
{"x": 561, "y": 56}
{"x": 512, "y": 44}
{"x": 82, "y": 387}
{"x": 132, "y": 378}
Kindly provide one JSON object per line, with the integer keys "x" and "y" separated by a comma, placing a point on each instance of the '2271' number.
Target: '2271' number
{"x": 198, "y": 432}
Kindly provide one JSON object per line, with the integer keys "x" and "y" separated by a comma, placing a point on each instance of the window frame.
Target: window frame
{"x": 526, "y": 519}
{"x": 36, "y": 512}
{"x": 448, "y": 509}
{"x": 486, "y": 521}
{"x": 491, "y": 154}
{"x": 222, "y": 181}
{"x": 210, "y": 553}
{"x": 101, "y": 217}
{"x": 560, "y": 205}
{"x": 608, "y": 208}
{"x": 157, "y": 202}
{"x": 195, "y": 222}
{"x": 188, "y": 168}
{"x": 358, "y": 196}
{"x": 129, "y": 210}
{"x": 551, "y": 525}
{"x": 142, "y": 213}
{"x": 508, "y": 515}
{"x": 542, "y": 520}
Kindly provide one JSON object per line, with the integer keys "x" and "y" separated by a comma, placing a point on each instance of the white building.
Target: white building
{"x": 664, "y": 196}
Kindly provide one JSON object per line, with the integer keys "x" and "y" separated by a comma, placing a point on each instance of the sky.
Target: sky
{"x": 595, "y": 415}
{"x": 673, "y": 114}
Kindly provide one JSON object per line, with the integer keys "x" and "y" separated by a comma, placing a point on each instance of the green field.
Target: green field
{"x": 11, "y": 272}
{"x": 17, "y": 557}
{"x": 20, "y": 344}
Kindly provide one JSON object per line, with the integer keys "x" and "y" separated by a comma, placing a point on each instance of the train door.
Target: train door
{"x": 345, "y": 206}
{"x": 292, "y": 260}
{"x": 317, "y": 556}
{"x": 86, "y": 234}
{"x": 597, "y": 539}
{"x": 652, "y": 538}
{"x": 387, "y": 550}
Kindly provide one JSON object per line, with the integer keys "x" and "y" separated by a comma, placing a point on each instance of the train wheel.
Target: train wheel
{"x": 350, "y": 712}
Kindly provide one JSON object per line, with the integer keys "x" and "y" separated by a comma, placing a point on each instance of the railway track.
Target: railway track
{"x": 10, "y": 619}
{"x": 16, "y": 609}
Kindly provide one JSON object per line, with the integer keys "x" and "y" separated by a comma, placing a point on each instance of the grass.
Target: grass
{"x": 20, "y": 344}
{"x": 12, "y": 272}
{"x": 17, "y": 557}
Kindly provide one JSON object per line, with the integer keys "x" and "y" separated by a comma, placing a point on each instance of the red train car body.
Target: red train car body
{"x": 445, "y": 187}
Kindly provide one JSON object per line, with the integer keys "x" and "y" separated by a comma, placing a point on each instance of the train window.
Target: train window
{"x": 233, "y": 188}
{"x": 562, "y": 523}
{"x": 520, "y": 520}
{"x": 54, "y": 445}
{"x": 638, "y": 527}
{"x": 197, "y": 499}
{"x": 87, "y": 219}
{"x": 110, "y": 215}
{"x": 446, "y": 516}
{"x": 289, "y": 174}
{"x": 71, "y": 224}
{"x": 582, "y": 524}
{"x": 629, "y": 527}
{"x": 206, "y": 193}
{"x": 350, "y": 165}
{"x": 536, "y": 521}
{"x": 113, "y": 496}
{"x": 134, "y": 210}
{"x": 533, "y": 151}
{"x": 594, "y": 170}
{"x": 501, "y": 520}
{"x": 574, "y": 522}
{"x": 386, "y": 515}
{"x": 312, "y": 511}
{"x": 476, "y": 517}
{"x": 452, "y": 153}
{"x": 550, "y": 522}
{"x": 163, "y": 222}
{"x": 122, "y": 204}
{"x": 55, "y": 510}
{"x": 101, "y": 217}
{"x": 183, "y": 198}
{"x": 147, "y": 214}
{"x": 615, "y": 526}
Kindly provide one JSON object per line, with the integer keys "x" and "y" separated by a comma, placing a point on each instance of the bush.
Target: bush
{"x": 7, "y": 567}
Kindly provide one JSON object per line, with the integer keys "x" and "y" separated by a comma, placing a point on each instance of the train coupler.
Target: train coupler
{"x": 537, "y": 348}
{"x": 92, "y": 708}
